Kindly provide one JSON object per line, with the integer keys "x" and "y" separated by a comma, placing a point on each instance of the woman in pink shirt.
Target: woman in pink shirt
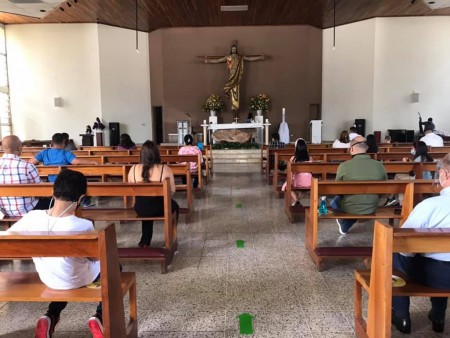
{"x": 190, "y": 149}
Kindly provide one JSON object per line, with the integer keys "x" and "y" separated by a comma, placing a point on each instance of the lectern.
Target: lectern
{"x": 87, "y": 140}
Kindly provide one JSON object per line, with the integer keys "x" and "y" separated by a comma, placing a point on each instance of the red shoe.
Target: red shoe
{"x": 46, "y": 326}
{"x": 96, "y": 326}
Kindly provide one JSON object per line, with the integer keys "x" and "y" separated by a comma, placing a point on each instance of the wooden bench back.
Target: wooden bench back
{"x": 387, "y": 241}
{"x": 99, "y": 244}
{"x": 334, "y": 188}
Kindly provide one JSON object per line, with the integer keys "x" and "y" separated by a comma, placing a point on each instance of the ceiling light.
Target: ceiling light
{"x": 237, "y": 8}
{"x": 437, "y": 4}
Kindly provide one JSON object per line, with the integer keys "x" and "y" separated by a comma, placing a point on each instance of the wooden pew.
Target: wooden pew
{"x": 104, "y": 172}
{"x": 163, "y": 255}
{"x": 27, "y": 287}
{"x": 328, "y": 170}
{"x": 378, "y": 280}
{"x": 329, "y": 188}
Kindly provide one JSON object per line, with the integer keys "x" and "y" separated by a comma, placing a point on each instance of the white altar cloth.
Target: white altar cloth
{"x": 217, "y": 126}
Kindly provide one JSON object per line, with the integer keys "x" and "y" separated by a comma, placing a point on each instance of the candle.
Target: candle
{"x": 267, "y": 120}
{"x": 204, "y": 121}
{"x": 284, "y": 111}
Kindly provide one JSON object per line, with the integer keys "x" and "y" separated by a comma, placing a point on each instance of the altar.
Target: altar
{"x": 237, "y": 132}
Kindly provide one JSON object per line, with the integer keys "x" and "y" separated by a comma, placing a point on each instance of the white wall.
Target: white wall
{"x": 95, "y": 70}
{"x": 412, "y": 54}
{"x": 47, "y": 61}
{"x": 125, "y": 82}
{"x": 375, "y": 68}
{"x": 347, "y": 77}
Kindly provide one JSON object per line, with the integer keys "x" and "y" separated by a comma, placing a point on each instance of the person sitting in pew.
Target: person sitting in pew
{"x": 126, "y": 143}
{"x": 151, "y": 170}
{"x": 299, "y": 180}
{"x": 57, "y": 155}
{"x": 343, "y": 141}
{"x": 432, "y": 269}
{"x": 14, "y": 170}
{"x": 63, "y": 273}
{"x": 361, "y": 167}
{"x": 68, "y": 142}
{"x": 372, "y": 146}
{"x": 190, "y": 149}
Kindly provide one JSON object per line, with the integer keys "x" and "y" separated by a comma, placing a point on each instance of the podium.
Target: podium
{"x": 87, "y": 140}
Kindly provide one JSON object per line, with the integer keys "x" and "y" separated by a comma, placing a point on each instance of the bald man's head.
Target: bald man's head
{"x": 12, "y": 145}
{"x": 358, "y": 145}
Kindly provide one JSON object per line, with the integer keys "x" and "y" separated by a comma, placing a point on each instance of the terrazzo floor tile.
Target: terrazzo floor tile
{"x": 211, "y": 281}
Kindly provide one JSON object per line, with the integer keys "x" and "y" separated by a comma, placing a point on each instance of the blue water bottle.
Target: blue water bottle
{"x": 323, "y": 210}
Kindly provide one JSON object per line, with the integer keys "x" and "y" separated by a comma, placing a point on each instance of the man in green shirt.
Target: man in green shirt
{"x": 360, "y": 168}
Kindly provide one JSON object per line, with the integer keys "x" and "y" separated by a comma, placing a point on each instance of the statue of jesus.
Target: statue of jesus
{"x": 235, "y": 65}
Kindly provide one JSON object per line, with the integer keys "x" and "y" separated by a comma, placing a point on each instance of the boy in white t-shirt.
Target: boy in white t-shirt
{"x": 63, "y": 273}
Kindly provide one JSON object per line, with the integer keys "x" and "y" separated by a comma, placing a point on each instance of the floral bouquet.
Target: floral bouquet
{"x": 214, "y": 102}
{"x": 260, "y": 102}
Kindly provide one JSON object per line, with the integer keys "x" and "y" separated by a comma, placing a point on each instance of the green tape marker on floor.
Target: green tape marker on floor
{"x": 240, "y": 243}
{"x": 238, "y": 205}
{"x": 245, "y": 323}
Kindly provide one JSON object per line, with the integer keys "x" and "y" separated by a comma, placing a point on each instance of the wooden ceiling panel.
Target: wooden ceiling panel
{"x": 154, "y": 14}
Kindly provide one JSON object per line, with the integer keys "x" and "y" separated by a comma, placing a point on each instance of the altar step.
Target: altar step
{"x": 237, "y": 156}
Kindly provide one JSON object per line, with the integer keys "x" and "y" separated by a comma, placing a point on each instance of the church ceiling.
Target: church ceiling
{"x": 154, "y": 14}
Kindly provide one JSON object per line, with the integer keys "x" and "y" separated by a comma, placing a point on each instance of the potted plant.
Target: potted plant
{"x": 213, "y": 104}
{"x": 260, "y": 103}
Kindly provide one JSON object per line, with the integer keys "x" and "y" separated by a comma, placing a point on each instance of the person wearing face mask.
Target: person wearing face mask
{"x": 432, "y": 269}
{"x": 63, "y": 273}
{"x": 360, "y": 168}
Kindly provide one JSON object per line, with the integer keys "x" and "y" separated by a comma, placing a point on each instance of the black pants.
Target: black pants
{"x": 55, "y": 308}
{"x": 151, "y": 206}
{"x": 194, "y": 180}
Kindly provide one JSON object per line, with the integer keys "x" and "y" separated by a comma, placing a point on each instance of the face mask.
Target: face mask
{"x": 413, "y": 152}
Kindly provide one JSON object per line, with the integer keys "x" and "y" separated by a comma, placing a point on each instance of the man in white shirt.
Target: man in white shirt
{"x": 352, "y": 134}
{"x": 431, "y": 139}
{"x": 431, "y": 269}
{"x": 63, "y": 273}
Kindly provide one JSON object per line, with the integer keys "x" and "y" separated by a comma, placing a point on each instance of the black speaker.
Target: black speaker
{"x": 360, "y": 125}
{"x": 114, "y": 133}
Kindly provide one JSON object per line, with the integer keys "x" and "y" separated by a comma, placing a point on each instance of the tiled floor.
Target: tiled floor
{"x": 212, "y": 281}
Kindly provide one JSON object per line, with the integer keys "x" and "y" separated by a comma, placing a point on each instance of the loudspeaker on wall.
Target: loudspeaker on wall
{"x": 114, "y": 133}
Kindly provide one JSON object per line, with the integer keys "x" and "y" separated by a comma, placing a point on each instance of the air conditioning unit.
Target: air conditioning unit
{"x": 437, "y": 4}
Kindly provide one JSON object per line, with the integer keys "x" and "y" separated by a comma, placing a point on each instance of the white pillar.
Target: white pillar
{"x": 205, "y": 136}
{"x": 266, "y": 129}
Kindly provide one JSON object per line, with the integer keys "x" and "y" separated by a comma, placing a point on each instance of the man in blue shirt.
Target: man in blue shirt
{"x": 431, "y": 269}
{"x": 57, "y": 155}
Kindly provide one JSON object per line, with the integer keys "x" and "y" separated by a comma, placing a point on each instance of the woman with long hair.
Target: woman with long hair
{"x": 151, "y": 170}
{"x": 299, "y": 180}
{"x": 126, "y": 143}
{"x": 343, "y": 141}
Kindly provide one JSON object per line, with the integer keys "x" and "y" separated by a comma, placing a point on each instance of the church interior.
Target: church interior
{"x": 241, "y": 267}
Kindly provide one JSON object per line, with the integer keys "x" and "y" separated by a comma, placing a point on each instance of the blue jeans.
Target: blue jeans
{"x": 346, "y": 224}
{"x": 426, "y": 271}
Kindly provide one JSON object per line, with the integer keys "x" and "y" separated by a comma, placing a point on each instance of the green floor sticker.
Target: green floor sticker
{"x": 240, "y": 243}
{"x": 245, "y": 323}
{"x": 238, "y": 205}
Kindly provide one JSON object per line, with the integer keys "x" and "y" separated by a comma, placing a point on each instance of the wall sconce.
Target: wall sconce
{"x": 58, "y": 102}
{"x": 414, "y": 97}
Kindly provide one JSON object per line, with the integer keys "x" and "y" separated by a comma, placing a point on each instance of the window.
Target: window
{"x": 5, "y": 112}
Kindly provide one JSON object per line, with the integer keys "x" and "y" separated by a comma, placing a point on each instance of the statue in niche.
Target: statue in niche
{"x": 235, "y": 65}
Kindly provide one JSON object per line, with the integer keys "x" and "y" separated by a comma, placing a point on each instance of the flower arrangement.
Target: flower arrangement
{"x": 260, "y": 102}
{"x": 213, "y": 102}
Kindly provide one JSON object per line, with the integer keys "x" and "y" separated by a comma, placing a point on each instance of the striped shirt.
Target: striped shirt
{"x": 14, "y": 170}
